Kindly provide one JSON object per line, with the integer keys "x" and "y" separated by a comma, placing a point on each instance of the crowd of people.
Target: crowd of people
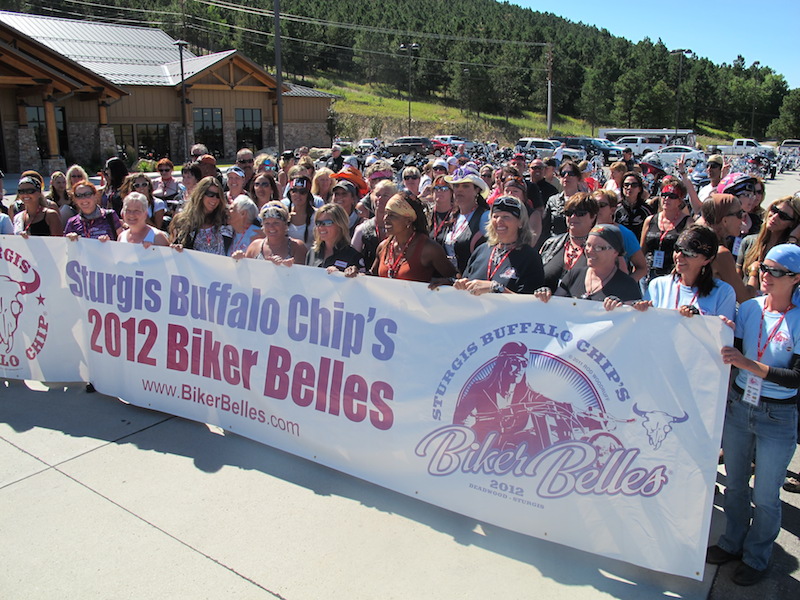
{"x": 531, "y": 226}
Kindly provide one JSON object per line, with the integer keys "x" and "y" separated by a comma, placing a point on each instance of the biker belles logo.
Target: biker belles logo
{"x": 23, "y": 320}
{"x": 536, "y": 417}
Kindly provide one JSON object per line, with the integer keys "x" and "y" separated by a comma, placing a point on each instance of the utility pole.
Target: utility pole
{"x": 278, "y": 73}
{"x": 410, "y": 49}
{"x": 549, "y": 89}
{"x": 681, "y": 52}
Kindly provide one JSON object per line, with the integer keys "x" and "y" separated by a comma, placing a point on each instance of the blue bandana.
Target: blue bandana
{"x": 786, "y": 255}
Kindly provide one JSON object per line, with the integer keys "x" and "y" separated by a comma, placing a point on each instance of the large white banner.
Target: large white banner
{"x": 562, "y": 421}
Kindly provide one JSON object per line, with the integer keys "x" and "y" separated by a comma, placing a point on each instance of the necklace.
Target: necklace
{"x": 591, "y": 292}
{"x": 393, "y": 261}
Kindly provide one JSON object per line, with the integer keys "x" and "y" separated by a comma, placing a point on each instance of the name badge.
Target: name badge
{"x": 752, "y": 391}
{"x": 658, "y": 259}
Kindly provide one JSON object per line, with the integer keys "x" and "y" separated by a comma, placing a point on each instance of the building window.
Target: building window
{"x": 153, "y": 141}
{"x": 126, "y": 143}
{"x": 208, "y": 129}
{"x": 37, "y": 122}
{"x": 248, "y": 128}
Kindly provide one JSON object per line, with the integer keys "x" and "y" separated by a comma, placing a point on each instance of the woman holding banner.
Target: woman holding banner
{"x": 507, "y": 263}
{"x": 761, "y": 416}
{"x": 203, "y": 223}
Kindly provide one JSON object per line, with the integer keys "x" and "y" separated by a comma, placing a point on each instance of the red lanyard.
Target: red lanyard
{"x": 761, "y": 349}
{"x": 239, "y": 245}
{"x": 438, "y": 228}
{"x": 87, "y": 225}
{"x": 678, "y": 295}
{"x": 31, "y": 218}
{"x": 491, "y": 273}
{"x": 397, "y": 261}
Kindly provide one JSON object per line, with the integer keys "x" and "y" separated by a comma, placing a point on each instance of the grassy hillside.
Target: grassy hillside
{"x": 367, "y": 110}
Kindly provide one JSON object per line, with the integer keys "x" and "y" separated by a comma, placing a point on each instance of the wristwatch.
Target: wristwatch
{"x": 498, "y": 288}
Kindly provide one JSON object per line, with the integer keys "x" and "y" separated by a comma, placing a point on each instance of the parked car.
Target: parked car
{"x": 367, "y": 145}
{"x": 410, "y": 145}
{"x": 545, "y": 148}
{"x": 642, "y": 145}
{"x": 742, "y": 146}
{"x": 439, "y": 148}
{"x": 454, "y": 141}
{"x": 668, "y": 156}
{"x": 789, "y": 146}
{"x": 614, "y": 151}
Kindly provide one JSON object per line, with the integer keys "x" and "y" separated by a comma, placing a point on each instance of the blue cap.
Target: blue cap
{"x": 786, "y": 255}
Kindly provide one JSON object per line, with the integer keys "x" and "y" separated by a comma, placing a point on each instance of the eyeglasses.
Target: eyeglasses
{"x": 603, "y": 205}
{"x": 713, "y": 166}
{"x": 759, "y": 192}
{"x": 577, "y": 213}
{"x": 738, "y": 214}
{"x": 261, "y": 184}
{"x": 592, "y": 248}
{"x": 567, "y": 174}
{"x": 165, "y": 170}
{"x": 440, "y": 168}
{"x": 537, "y": 167}
{"x": 245, "y": 161}
{"x": 775, "y": 272}
{"x": 679, "y": 248}
{"x": 408, "y": 177}
{"x": 84, "y": 195}
{"x": 325, "y": 223}
{"x": 441, "y": 188}
{"x": 671, "y": 196}
{"x": 212, "y": 194}
{"x": 76, "y": 176}
{"x": 781, "y": 215}
{"x": 297, "y": 190}
{"x": 140, "y": 184}
{"x": 27, "y": 191}
{"x": 630, "y": 184}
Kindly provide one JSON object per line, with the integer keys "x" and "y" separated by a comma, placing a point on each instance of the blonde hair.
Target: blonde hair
{"x": 340, "y": 220}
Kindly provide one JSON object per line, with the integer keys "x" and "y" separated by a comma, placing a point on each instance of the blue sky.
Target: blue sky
{"x": 763, "y": 31}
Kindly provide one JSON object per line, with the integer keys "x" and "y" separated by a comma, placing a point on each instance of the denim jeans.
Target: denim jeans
{"x": 767, "y": 433}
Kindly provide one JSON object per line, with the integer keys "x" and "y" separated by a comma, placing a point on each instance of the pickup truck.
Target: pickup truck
{"x": 642, "y": 145}
{"x": 741, "y": 146}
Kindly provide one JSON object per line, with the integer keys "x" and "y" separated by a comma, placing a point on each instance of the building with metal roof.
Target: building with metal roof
{"x": 82, "y": 91}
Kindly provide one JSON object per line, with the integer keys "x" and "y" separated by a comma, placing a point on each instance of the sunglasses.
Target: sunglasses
{"x": 441, "y": 188}
{"x": 781, "y": 215}
{"x": 671, "y": 196}
{"x": 27, "y": 191}
{"x": 141, "y": 184}
{"x": 211, "y": 194}
{"x": 567, "y": 174}
{"x": 591, "y": 248}
{"x": 630, "y": 185}
{"x": 738, "y": 214}
{"x": 325, "y": 223}
{"x": 408, "y": 177}
{"x": 165, "y": 170}
{"x": 261, "y": 184}
{"x": 245, "y": 161}
{"x": 440, "y": 168}
{"x": 537, "y": 168}
{"x": 603, "y": 205}
{"x": 577, "y": 213}
{"x": 84, "y": 195}
{"x": 714, "y": 166}
{"x": 685, "y": 251}
{"x": 775, "y": 272}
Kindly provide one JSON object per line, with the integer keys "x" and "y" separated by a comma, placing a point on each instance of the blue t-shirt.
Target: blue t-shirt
{"x": 664, "y": 291}
{"x": 630, "y": 242}
{"x": 778, "y": 352}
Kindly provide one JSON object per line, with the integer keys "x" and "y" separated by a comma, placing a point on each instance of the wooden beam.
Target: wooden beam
{"x": 50, "y": 124}
{"x": 11, "y": 80}
{"x": 219, "y": 78}
{"x": 227, "y": 88}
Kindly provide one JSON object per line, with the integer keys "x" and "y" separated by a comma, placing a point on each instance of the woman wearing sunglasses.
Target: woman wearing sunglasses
{"x": 36, "y": 217}
{"x": 554, "y": 221}
{"x": 661, "y": 230}
{"x": 601, "y": 279}
{"x": 761, "y": 416}
{"x": 202, "y": 225}
{"x": 562, "y": 253}
{"x": 782, "y": 217}
{"x": 633, "y": 209}
{"x": 166, "y": 187}
{"x": 691, "y": 288}
{"x": 156, "y": 207}
{"x": 265, "y": 189}
{"x": 411, "y": 179}
{"x": 276, "y": 246}
{"x": 507, "y": 263}
{"x": 723, "y": 214}
{"x": 92, "y": 221}
{"x": 332, "y": 249}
